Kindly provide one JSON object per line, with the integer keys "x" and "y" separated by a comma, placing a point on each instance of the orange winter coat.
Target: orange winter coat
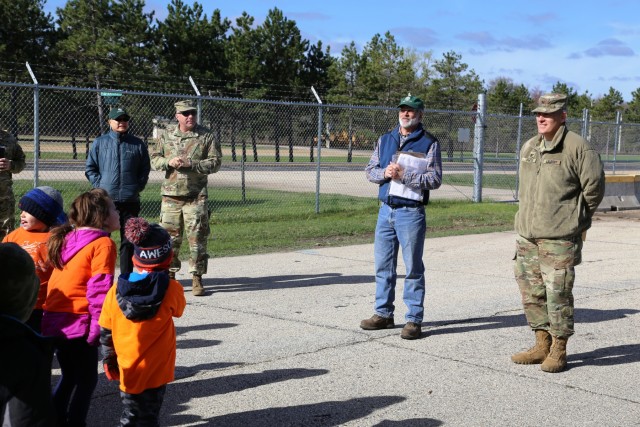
{"x": 145, "y": 349}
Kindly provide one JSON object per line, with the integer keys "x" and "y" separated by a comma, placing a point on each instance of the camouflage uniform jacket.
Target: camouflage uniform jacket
{"x": 560, "y": 186}
{"x": 13, "y": 152}
{"x": 199, "y": 147}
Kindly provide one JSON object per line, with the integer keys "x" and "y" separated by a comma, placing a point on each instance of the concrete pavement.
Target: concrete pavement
{"x": 276, "y": 342}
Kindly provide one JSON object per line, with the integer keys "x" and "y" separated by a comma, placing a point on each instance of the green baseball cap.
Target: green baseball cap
{"x": 118, "y": 112}
{"x": 412, "y": 101}
{"x": 551, "y": 102}
{"x": 186, "y": 105}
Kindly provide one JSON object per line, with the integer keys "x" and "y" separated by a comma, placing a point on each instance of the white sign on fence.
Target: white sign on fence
{"x": 464, "y": 134}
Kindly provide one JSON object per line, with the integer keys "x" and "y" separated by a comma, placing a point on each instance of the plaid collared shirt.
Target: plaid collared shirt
{"x": 430, "y": 180}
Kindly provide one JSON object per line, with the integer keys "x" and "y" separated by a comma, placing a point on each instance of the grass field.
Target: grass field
{"x": 271, "y": 221}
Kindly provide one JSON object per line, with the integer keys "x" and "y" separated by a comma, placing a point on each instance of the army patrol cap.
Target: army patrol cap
{"x": 186, "y": 105}
{"x": 551, "y": 102}
{"x": 118, "y": 112}
{"x": 412, "y": 102}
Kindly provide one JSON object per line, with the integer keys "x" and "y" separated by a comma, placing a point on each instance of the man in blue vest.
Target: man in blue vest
{"x": 406, "y": 164}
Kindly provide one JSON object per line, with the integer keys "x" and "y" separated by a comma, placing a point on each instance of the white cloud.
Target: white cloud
{"x": 610, "y": 47}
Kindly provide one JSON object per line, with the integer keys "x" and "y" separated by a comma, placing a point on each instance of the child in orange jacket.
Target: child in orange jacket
{"x": 137, "y": 333}
{"x": 42, "y": 208}
{"x": 84, "y": 257}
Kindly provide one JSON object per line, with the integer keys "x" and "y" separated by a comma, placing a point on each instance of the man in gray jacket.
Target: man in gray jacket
{"x": 119, "y": 163}
{"x": 561, "y": 186}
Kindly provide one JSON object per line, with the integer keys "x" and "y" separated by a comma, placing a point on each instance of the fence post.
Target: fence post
{"x": 244, "y": 150}
{"x": 319, "y": 148}
{"x": 478, "y": 148}
{"x": 518, "y": 143}
{"x": 197, "y": 91}
{"x": 242, "y": 177}
{"x": 233, "y": 147}
{"x": 254, "y": 143}
{"x": 276, "y": 137}
{"x": 36, "y": 126}
{"x": 585, "y": 123}
{"x": 74, "y": 147}
{"x": 290, "y": 131}
{"x": 616, "y": 138}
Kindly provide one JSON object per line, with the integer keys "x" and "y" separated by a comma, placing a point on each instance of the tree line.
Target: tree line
{"x": 116, "y": 44}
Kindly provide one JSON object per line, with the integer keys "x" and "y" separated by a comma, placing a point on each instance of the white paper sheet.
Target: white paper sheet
{"x": 413, "y": 164}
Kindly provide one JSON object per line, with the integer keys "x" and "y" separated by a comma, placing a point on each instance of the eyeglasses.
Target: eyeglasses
{"x": 189, "y": 113}
{"x": 121, "y": 119}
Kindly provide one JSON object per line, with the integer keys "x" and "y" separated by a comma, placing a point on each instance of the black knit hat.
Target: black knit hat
{"x": 151, "y": 243}
{"x": 44, "y": 203}
{"x": 19, "y": 284}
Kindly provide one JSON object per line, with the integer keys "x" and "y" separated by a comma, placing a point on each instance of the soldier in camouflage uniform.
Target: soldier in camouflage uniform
{"x": 188, "y": 153}
{"x": 561, "y": 186}
{"x": 12, "y": 161}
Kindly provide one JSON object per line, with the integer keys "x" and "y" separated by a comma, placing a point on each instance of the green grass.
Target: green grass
{"x": 284, "y": 158}
{"x": 499, "y": 181}
{"x": 273, "y": 221}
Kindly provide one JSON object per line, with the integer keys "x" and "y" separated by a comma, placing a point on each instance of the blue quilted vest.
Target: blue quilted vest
{"x": 418, "y": 141}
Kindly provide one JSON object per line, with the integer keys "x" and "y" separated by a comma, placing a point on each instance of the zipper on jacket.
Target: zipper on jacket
{"x": 536, "y": 188}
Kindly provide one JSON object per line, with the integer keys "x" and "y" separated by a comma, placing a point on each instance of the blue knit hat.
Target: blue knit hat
{"x": 44, "y": 203}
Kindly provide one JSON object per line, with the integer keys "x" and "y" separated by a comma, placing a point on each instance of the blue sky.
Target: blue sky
{"x": 590, "y": 45}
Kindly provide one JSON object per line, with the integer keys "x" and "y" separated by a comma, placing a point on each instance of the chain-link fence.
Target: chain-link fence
{"x": 271, "y": 151}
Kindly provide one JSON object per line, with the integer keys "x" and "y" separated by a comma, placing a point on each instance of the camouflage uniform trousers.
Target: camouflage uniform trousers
{"x": 544, "y": 271}
{"x": 7, "y": 213}
{"x": 187, "y": 215}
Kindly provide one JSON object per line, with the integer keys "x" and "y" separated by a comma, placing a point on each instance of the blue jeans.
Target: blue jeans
{"x": 406, "y": 228}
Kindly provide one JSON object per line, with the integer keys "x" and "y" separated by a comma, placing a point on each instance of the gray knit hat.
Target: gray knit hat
{"x": 19, "y": 284}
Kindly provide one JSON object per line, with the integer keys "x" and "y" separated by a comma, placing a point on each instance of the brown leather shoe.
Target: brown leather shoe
{"x": 197, "y": 289}
{"x": 376, "y": 322}
{"x": 411, "y": 331}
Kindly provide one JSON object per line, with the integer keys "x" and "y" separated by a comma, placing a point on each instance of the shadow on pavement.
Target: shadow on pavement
{"x": 414, "y": 422}
{"x": 196, "y": 343}
{"x": 179, "y": 394}
{"x": 243, "y": 284}
{"x": 583, "y": 315}
{"x": 607, "y": 356}
{"x": 204, "y": 327}
{"x": 331, "y": 413}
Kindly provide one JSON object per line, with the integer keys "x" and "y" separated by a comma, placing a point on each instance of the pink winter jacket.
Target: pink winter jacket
{"x": 76, "y": 293}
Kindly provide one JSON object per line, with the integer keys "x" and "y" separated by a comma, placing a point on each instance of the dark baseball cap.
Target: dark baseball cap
{"x": 412, "y": 101}
{"x": 117, "y": 113}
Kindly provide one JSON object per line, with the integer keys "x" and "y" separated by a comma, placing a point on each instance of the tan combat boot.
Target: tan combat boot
{"x": 196, "y": 288}
{"x": 556, "y": 361}
{"x": 536, "y": 354}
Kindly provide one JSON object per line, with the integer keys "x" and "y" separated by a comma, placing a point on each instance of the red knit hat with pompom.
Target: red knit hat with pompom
{"x": 151, "y": 244}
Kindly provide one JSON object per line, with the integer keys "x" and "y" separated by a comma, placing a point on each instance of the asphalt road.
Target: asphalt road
{"x": 276, "y": 342}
